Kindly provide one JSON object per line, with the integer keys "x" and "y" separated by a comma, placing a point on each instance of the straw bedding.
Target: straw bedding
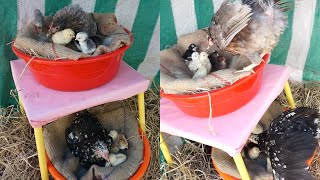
{"x": 27, "y": 42}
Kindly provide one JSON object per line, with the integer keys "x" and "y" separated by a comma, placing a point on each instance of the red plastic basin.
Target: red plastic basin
{"x": 223, "y": 100}
{"x": 136, "y": 176}
{"x": 79, "y": 75}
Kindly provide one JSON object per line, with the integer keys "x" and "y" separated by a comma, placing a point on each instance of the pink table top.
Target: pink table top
{"x": 43, "y": 105}
{"x": 231, "y": 130}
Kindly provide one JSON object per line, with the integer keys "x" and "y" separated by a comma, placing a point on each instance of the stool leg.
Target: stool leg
{"x": 165, "y": 150}
{"x": 241, "y": 167}
{"x": 41, "y": 153}
{"x": 288, "y": 93}
{"x": 21, "y": 109}
{"x": 142, "y": 115}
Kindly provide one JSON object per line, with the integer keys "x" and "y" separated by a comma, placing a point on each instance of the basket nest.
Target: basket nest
{"x": 28, "y": 40}
{"x": 176, "y": 78}
{"x": 112, "y": 116}
{"x": 256, "y": 169}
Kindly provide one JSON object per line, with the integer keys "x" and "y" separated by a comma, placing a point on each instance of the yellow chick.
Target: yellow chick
{"x": 119, "y": 142}
{"x": 63, "y": 37}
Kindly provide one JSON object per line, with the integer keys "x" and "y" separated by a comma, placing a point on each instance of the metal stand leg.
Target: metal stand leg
{"x": 141, "y": 109}
{"x": 41, "y": 153}
{"x": 241, "y": 167}
{"x": 165, "y": 150}
{"x": 287, "y": 91}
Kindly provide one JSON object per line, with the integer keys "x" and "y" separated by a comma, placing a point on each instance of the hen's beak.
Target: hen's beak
{"x": 105, "y": 156}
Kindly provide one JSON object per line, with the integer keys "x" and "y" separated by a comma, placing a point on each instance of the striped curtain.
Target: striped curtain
{"x": 139, "y": 16}
{"x": 299, "y": 46}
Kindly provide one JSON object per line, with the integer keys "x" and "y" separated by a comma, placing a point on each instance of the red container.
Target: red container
{"x": 136, "y": 176}
{"x": 223, "y": 100}
{"x": 79, "y": 75}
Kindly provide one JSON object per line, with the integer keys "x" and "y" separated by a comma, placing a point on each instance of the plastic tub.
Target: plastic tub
{"x": 223, "y": 100}
{"x": 229, "y": 177}
{"x": 138, "y": 175}
{"x": 79, "y": 75}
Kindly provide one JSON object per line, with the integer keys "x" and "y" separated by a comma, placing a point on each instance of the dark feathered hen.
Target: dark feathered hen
{"x": 88, "y": 140}
{"x": 40, "y": 26}
{"x": 73, "y": 17}
{"x": 38, "y": 20}
{"x": 251, "y": 27}
{"x": 290, "y": 142}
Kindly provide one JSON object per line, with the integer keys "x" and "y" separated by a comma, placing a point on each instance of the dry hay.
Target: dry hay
{"x": 193, "y": 161}
{"x": 152, "y": 102}
{"x": 18, "y": 156}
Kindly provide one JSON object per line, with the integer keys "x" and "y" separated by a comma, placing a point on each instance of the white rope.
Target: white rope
{"x": 210, "y": 115}
{"x": 210, "y": 112}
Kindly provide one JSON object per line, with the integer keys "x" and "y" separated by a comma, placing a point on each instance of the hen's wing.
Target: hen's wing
{"x": 228, "y": 21}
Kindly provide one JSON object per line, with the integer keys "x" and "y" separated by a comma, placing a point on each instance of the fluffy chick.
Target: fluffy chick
{"x": 218, "y": 62}
{"x": 75, "y": 18}
{"x": 119, "y": 142}
{"x": 116, "y": 159}
{"x": 200, "y": 64}
{"x": 187, "y": 55}
{"x": 195, "y": 63}
{"x": 86, "y": 45}
{"x": 63, "y": 37}
{"x": 204, "y": 60}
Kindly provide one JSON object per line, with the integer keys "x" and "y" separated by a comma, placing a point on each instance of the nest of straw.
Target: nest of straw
{"x": 18, "y": 155}
{"x": 192, "y": 160}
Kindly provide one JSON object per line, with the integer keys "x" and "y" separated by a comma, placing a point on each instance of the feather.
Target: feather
{"x": 230, "y": 19}
{"x": 75, "y": 18}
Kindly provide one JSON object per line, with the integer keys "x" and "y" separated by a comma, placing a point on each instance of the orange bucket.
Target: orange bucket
{"x": 228, "y": 177}
{"x": 79, "y": 75}
{"x": 224, "y": 100}
{"x": 138, "y": 175}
